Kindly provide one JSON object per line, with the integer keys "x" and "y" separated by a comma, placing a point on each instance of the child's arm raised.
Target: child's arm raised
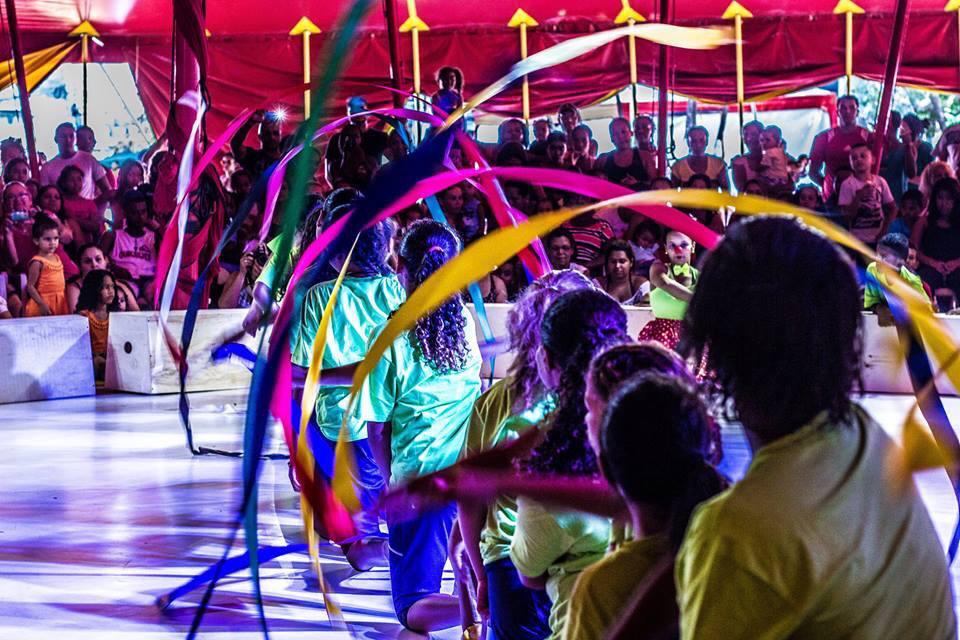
{"x": 33, "y": 276}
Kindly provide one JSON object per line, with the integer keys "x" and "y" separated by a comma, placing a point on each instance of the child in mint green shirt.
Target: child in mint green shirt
{"x": 369, "y": 293}
{"x": 416, "y": 403}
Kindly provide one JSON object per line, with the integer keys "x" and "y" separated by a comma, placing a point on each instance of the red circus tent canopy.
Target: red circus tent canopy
{"x": 788, "y": 46}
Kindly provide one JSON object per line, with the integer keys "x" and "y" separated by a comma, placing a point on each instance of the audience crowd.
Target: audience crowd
{"x": 571, "y": 516}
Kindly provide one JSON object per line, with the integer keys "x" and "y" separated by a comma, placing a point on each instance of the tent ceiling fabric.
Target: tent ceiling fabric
{"x": 252, "y": 58}
{"x": 243, "y": 17}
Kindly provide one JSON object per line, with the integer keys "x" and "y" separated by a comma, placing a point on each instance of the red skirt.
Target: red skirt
{"x": 666, "y": 332}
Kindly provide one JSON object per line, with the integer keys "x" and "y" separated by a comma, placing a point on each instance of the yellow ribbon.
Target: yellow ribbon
{"x": 485, "y": 254}
{"x": 304, "y": 455}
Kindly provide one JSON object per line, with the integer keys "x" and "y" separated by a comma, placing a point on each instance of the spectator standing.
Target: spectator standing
{"x": 270, "y": 134}
{"x": 698, "y": 162}
{"x": 830, "y": 153}
{"x": 749, "y": 166}
{"x": 94, "y": 175}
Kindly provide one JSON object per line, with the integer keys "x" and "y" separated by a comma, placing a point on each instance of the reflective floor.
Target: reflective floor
{"x": 103, "y": 509}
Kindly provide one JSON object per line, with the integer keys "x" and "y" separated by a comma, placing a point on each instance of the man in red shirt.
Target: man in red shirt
{"x": 831, "y": 148}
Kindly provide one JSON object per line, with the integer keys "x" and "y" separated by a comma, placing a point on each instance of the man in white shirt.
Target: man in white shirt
{"x": 94, "y": 175}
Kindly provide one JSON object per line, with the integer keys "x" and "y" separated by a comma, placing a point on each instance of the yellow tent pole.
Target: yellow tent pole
{"x": 305, "y": 28}
{"x": 629, "y": 16}
{"x": 85, "y": 30}
{"x": 738, "y": 12}
{"x": 522, "y": 19}
{"x": 848, "y": 8}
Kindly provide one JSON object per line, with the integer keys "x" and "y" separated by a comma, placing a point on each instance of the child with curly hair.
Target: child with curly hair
{"x": 510, "y": 408}
{"x": 417, "y": 402}
{"x": 550, "y": 547}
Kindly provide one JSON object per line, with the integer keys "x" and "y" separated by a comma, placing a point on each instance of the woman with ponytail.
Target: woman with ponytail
{"x": 550, "y": 547}
{"x": 660, "y": 466}
{"x": 416, "y": 404}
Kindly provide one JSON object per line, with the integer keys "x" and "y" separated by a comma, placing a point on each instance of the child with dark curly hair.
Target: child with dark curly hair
{"x": 813, "y": 542}
{"x": 550, "y": 547}
{"x": 506, "y": 411}
{"x": 417, "y": 402}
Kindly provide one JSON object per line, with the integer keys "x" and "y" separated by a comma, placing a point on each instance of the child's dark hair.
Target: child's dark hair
{"x": 41, "y": 224}
{"x": 523, "y": 330}
{"x": 698, "y": 177}
{"x": 616, "y": 244}
{"x": 557, "y": 136}
{"x": 912, "y": 195}
{"x": 953, "y": 187}
{"x": 897, "y": 243}
{"x": 62, "y": 180}
{"x": 458, "y": 75}
{"x": 132, "y": 197}
{"x": 511, "y": 152}
{"x": 781, "y": 346}
{"x": 612, "y": 366}
{"x": 8, "y": 169}
{"x": 861, "y": 145}
{"x": 372, "y": 250}
{"x": 661, "y": 460}
{"x": 575, "y": 327}
{"x": 650, "y": 227}
{"x": 440, "y": 336}
{"x": 618, "y": 363}
{"x": 89, "y": 298}
{"x": 560, "y": 232}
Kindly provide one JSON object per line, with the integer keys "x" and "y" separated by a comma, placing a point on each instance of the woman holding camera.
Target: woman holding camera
{"x": 238, "y": 286}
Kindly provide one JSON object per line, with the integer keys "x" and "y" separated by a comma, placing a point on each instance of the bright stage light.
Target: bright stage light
{"x": 279, "y": 114}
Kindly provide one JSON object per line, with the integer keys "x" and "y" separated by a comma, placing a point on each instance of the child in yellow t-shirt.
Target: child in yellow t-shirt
{"x": 660, "y": 466}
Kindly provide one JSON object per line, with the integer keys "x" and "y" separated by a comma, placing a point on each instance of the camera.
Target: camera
{"x": 261, "y": 255}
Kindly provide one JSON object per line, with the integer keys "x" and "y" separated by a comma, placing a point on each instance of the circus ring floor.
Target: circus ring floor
{"x": 102, "y": 509}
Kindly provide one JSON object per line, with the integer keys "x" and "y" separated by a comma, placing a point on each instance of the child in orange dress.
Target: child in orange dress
{"x": 98, "y": 297}
{"x": 46, "y": 287}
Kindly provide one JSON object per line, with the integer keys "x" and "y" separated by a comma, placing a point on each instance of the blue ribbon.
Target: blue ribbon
{"x": 928, "y": 396}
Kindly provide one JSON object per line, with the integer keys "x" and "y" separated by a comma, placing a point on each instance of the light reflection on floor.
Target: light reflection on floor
{"x": 102, "y": 509}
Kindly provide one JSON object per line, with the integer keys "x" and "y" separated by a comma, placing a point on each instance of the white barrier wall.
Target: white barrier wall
{"x": 50, "y": 357}
{"x": 883, "y": 368}
{"x": 139, "y": 361}
{"x": 45, "y": 358}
